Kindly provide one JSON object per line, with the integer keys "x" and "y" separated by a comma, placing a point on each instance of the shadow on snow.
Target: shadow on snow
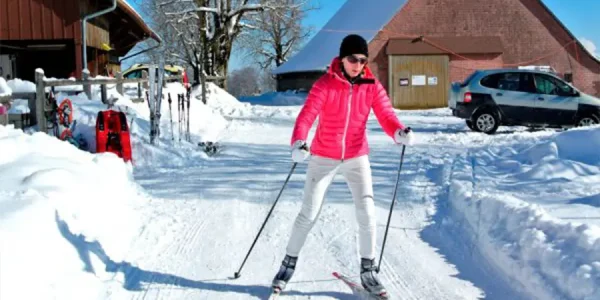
{"x": 135, "y": 277}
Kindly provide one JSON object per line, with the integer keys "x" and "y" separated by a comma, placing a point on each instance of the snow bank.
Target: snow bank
{"x": 5, "y": 90}
{"x": 66, "y": 217}
{"x": 501, "y": 195}
{"x": 224, "y": 104}
{"x": 170, "y": 151}
{"x": 207, "y": 122}
{"x": 277, "y": 99}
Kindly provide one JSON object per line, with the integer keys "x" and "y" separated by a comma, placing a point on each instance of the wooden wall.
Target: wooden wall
{"x": 39, "y": 19}
{"x": 419, "y": 81}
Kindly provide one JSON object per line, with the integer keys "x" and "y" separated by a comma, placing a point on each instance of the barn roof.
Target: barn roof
{"x": 355, "y": 16}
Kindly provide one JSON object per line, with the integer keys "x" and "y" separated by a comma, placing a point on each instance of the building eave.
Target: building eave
{"x": 125, "y": 7}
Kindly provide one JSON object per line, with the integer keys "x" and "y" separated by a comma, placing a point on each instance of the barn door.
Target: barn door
{"x": 419, "y": 81}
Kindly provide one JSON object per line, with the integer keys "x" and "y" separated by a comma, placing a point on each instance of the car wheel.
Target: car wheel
{"x": 470, "y": 125}
{"x": 486, "y": 121}
{"x": 588, "y": 120}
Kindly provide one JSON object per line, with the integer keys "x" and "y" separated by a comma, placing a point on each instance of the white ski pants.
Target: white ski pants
{"x": 320, "y": 174}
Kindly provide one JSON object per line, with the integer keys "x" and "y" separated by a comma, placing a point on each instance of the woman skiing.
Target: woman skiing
{"x": 342, "y": 99}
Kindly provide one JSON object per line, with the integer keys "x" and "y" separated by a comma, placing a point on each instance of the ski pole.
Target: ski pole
{"x": 387, "y": 226}
{"x": 237, "y": 274}
{"x": 171, "y": 117}
{"x": 180, "y": 116}
{"x": 188, "y": 118}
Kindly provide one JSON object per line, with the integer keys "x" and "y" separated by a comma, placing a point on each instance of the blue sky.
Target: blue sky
{"x": 581, "y": 17}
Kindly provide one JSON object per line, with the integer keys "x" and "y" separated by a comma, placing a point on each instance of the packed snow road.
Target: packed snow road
{"x": 205, "y": 217}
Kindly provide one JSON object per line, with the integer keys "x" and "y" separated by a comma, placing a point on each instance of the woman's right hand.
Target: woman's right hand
{"x": 299, "y": 151}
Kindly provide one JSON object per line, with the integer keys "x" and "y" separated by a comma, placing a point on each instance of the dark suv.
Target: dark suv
{"x": 490, "y": 98}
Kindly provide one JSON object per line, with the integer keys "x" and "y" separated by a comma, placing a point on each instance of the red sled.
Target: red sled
{"x": 112, "y": 134}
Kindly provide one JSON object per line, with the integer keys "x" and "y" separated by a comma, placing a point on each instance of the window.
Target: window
{"x": 490, "y": 81}
{"x": 563, "y": 88}
{"x": 134, "y": 74}
{"x": 502, "y": 81}
{"x": 544, "y": 85}
{"x": 569, "y": 77}
{"x": 527, "y": 83}
{"x": 551, "y": 86}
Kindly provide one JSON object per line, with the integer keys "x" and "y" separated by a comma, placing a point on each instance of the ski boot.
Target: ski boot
{"x": 288, "y": 265}
{"x": 369, "y": 280}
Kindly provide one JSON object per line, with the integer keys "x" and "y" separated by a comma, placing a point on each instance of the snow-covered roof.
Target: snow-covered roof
{"x": 355, "y": 16}
{"x": 127, "y": 8}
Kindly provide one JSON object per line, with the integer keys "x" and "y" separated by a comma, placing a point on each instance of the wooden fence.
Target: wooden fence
{"x": 42, "y": 108}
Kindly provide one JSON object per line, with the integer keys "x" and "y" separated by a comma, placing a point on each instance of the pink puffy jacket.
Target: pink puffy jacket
{"x": 343, "y": 110}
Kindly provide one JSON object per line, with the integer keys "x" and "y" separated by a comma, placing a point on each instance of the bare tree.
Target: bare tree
{"x": 182, "y": 41}
{"x": 276, "y": 33}
{"x": 218, "y": 23}
{"x": 244, "y": 82}
{"x": 267, "y": 80}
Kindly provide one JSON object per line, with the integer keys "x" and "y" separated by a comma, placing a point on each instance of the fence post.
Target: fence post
{"x": 142, "y": 84}
{"x": 87, "y": 87}
{"x": 152, "y": 103}
{"x": 40, "y": 100}
{"x": 145, "y": 76}
{"x": 103, "y": 94}
{"x": 119, "y": 83}
{"x": 203, "y": 82}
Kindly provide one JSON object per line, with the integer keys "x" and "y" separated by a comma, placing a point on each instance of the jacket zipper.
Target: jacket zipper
{"x": 347, "y": 122}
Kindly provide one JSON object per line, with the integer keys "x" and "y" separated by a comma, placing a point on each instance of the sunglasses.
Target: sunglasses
{"x": 353, "y": 59}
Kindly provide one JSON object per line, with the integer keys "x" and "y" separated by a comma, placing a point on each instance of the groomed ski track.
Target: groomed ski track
{"x": 203, "y": 219}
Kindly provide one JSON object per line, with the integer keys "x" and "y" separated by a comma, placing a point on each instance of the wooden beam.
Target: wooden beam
{"x": 67, "y": 82}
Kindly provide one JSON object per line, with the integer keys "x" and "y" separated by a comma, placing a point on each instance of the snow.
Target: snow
{"x": 534, "y": 210}
{"x": 277, "y": 98}
{"x": 353, "y": 17}
{"x": 5, "y": 90}
{"x": 21, "y": 86}
{"x": 205, "y": 125}
{"x": 508, "y": 216}
{"x": 55, "y": 205}
{"x": 19, "y": 106}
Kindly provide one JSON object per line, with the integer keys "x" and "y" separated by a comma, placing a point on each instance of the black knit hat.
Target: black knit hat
{"x": 353, "y": 44}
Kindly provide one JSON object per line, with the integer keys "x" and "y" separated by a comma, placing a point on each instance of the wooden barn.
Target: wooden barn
{"x": 49, "y": 35}
{"x": 418, "y": 47}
